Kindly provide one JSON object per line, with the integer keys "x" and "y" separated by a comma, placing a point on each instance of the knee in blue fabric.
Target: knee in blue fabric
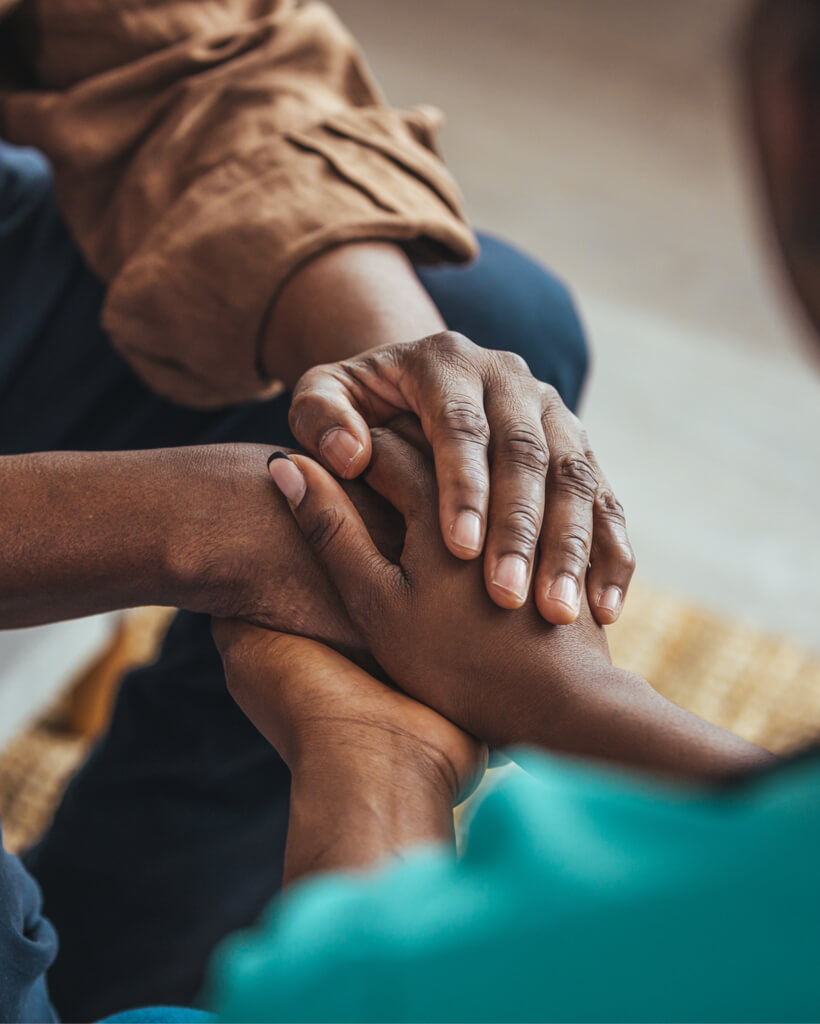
{"x": 25, "y": 182}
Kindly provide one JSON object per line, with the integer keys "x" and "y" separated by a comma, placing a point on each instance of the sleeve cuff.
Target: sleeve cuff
{"x": 203, "y": 282}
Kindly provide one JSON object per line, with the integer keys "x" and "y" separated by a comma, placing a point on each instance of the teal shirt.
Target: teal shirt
{"x": 583, "y": 894}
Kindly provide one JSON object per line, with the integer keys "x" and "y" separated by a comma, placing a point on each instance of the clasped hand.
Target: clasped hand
{"x": 504, "y": 676}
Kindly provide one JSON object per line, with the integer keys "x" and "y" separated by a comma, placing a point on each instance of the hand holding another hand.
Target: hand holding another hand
{"x": 236, "y": 551}
{"x": 313, "y": 705}
{"x": 502, "y": 675}
{"x": 516, "y": 474}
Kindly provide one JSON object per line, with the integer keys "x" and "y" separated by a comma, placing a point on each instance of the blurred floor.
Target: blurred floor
{"x": 606, "y": 137}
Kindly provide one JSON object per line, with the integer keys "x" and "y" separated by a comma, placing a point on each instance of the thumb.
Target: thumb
{"x": 327, "y": 420}
{"x": 337, "y": 536}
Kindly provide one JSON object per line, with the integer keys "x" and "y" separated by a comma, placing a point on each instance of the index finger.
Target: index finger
{"x": 451, "y": 410}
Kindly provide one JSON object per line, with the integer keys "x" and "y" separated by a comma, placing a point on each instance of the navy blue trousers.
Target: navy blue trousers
{"x": 172, "y": 836}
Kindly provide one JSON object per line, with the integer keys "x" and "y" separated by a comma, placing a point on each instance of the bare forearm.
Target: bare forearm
{"x": 85, "y": 532}
{"x": 629, "y": 723}
{"x": 343, "y": 302}
{"x": 351, "y": 812}
{"x": 82, "y": 533}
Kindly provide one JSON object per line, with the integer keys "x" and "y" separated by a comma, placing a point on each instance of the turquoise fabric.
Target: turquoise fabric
{"x": 583, "y": 895}
{"x": 161, "y": 1015}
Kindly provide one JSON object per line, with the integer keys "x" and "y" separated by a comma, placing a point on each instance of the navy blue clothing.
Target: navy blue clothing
{"x": 28, "y": 945}
{"x": 172, "y": 836}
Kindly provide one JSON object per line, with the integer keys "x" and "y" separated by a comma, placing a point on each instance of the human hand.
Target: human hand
{"x": 505, "y": 676}
{"x": 513, "y": 464}
{"x": 312, "y": 703}
{"x": 235, "y": 551}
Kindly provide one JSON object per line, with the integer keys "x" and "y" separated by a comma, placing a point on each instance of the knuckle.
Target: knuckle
{"x": 453, "y": 343}
{"x": 468, "y": 488}
{"x": 317, "y": 377}
{"x": 447, "y": 347}
{"x": 463, "y": 420}
{"x": 574, "y": 473}
{"x": 526, "y": 449}
{"x": 608, "y": 507}
{"x": 300, "y": 408}
{"x": 313, "y": 398}
{"x": 611, "y": 512}
{"x": 550, "y": 398}
{"x": 308, "y": 381}
{"x": 513, "y": 363}
{"x": 625, "y": 555}
{"x": 572, "y": 548}
{"x": 521, "y": 526}
{"x": 439, "y": 361}
{"x": 323, "y": 530}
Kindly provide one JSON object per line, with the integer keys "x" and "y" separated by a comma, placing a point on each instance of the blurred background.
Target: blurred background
{"x": 606, "y": 137}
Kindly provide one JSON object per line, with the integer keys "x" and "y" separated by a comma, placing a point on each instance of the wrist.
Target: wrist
{"x": 617, "y": 716}
{"x": 220, "y": 492}
{"x": 343, "y": 302}
{"x": 352, "y": 807}
{"x": 362, "y": 757}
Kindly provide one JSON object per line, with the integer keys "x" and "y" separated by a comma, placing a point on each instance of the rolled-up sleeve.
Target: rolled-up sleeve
{"x": 203, "y": 151}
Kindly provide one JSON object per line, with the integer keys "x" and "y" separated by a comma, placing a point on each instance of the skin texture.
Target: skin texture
{"x": 373, "y": 771}
{"x": 517, "y": 477}
{"x": 199, "y": 528}
{"x": 505, "y": 677}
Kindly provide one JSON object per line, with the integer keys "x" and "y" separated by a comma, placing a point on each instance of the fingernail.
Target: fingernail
{"x": 511, "y": 575}
{"x": 339, "y": 447}
{"x": 288, "y": 477}
{"x": 466, "y": 531}
{"x": 564, "y": 589}
{"x": 610, "y": 600}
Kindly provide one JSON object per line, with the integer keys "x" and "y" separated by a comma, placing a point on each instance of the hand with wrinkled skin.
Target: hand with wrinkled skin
{"x": 516, "y": 474}
{"x": 428, "y": 620}
{"x": 504, "y": 676}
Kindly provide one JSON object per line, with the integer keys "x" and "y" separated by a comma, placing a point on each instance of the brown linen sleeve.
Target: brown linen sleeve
{"x": 203, "y": 150}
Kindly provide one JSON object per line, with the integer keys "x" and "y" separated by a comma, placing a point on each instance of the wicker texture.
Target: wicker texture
{"x": 761, "y": 686}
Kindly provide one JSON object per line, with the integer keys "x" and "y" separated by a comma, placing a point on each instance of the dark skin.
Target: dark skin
{"x": 359, "y": 340}
{"x": 201, "y": 531}
{"x": 205, "y": 531}
{"x": 373, "y": 770}
{"x": 505, "y": 677}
